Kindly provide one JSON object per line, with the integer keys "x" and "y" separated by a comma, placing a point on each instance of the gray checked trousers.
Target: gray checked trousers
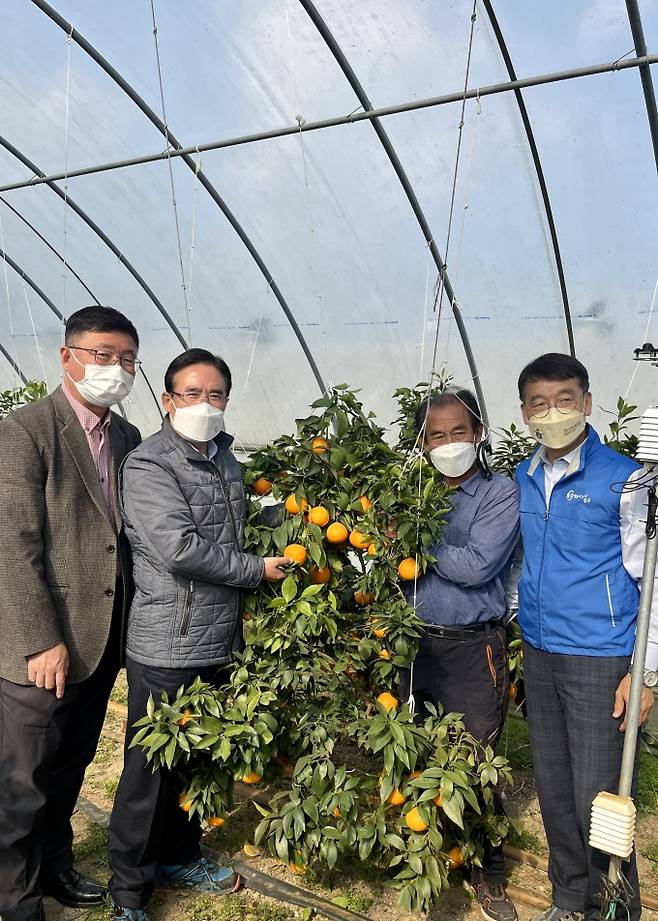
{"x": 576, "y": 750}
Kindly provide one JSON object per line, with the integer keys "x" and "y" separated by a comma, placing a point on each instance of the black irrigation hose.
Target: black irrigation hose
{"x": 255, "y": 879}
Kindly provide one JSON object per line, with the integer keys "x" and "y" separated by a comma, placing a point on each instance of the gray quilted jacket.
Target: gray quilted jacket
{"x": 184, "y": 516}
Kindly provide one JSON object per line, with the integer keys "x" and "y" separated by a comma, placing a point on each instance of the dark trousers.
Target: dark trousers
{"x": 147, "y": 826}
{"x": 45, "y": 747}
{"x": 468, "y": 676}
{"x": 576, "y": 749}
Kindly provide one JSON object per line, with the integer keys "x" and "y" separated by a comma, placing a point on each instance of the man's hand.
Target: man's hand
{"x": 273, "y": 572}
{"x": 48, "y": 669}
{"x": 621, "y": 701}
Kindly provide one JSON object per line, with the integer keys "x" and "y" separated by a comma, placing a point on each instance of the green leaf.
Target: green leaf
{"x": 289, "y": 588}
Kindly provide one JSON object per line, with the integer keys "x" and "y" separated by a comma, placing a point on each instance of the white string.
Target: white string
{"x": 253, "y": 351}
{"x": 171, "y": 171}
{"x": 11, "y": 319}
{"x": 34, "y": 333}
{"x": 307, "y": 189}
{"x": 190, "y": 273}
{"x": 65, "y": 272}
{"x": 425, "y": 300}
{"x": 441, "y": 279}
{"x": 4, "y": 261}
{"x": 645, "y": 339}
{"x": 469, "y": 172}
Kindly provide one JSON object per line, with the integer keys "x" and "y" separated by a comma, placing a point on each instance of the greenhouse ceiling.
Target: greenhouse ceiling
{"x": 327, "y": 192}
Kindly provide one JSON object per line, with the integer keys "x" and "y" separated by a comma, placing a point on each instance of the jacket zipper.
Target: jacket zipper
{"x": 567, "y": 476}
{"x": 612, "y": 610}
{"x": 187, "y": 610}
{"x": 228, "y": 505}
{"x": 227, "y": 500}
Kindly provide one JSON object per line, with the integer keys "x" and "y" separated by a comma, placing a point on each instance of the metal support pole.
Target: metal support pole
{"x": 191, "y": 163}
{"x": 639, "y": 657}
{"x": 635, "y": 21}
{"x": 13, "y": 363}
{"x": 353, "y": 117}
{"x": 333, "y": 45}
{"x": 541, "y": 179}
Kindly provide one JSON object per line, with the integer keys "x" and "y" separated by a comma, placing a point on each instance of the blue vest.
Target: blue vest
{"x": 575, "y": 596}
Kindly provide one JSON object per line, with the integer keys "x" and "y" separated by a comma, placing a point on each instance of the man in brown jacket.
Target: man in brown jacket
{"x": 64, "y": 592}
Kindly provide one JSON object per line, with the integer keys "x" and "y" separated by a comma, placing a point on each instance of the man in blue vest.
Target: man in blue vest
{"x": 583, "y": 548}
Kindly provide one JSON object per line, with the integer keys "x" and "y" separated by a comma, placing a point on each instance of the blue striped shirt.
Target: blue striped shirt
{"x": 467, "y": 583}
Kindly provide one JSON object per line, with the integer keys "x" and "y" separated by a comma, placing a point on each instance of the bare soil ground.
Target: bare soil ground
{"x": 354, "y": 886}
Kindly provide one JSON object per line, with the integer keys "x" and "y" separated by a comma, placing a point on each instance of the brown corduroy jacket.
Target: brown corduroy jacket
{"x": 60, "y": 553}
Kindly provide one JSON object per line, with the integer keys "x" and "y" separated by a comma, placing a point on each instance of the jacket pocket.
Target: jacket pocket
{"x": 611, "y": 606}
{"x": 187, "y": 610}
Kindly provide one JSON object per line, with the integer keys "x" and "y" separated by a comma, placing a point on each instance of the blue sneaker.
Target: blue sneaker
{"x": 129, "y": 914}
{"x": 202, "y": 875}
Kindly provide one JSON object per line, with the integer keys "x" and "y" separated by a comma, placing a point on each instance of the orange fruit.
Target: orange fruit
{"x": 372, "y": 550}
{"x": 358, "y": 540}
{"x": 438, "y": 799}
{"x": 262, "y": 486}
{"x": 385, "y": 654}
{"x": 336, "y": 533}
{"x": 336, "y": 813}
{"x": 414, "y": 820}
{"x": 184, "y": 802}
{"x": 297, "y": 868}
{"x": 396, "y": 798}
{"x": 415, "y": 774}
{"x": 364, "y": 597}
{"x": 319, "y": 445}
{"x": 455, "y": 856}
{"x": 247, "y": 615}
{"x": 297, "y": 553}
{"x": 511, "y": 691}
{"x": 185, "y": 718}
{"x": 293, "y": 507}
{"x": 320, "y": 576}
{"x": 216, "y": 821}
{"x": 388, "y": 701}
{"x": 408, "y": 569}
{"x": 252, "y": 778}
{"x": 319, "y": 515}
{"x": 380, "y": 632}
{"x": 366, "y": 504}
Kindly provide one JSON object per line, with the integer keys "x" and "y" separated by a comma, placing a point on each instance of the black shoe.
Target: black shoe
{"x": 495, "y": 904}
{"x": 73, "y": 890}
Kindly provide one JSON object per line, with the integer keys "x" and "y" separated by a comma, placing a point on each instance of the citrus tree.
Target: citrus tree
{"x": 312, "y": 697}
{"x": 19, "y": 396}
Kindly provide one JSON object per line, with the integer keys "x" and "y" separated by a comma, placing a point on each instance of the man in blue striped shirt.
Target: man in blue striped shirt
{"x": 462, "y": 658}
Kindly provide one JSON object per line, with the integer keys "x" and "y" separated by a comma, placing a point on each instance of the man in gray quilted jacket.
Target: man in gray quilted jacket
{"x": 183, "y": 507}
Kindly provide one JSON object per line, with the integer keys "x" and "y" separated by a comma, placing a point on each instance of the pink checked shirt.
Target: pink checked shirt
{"x": 98, "y": 438}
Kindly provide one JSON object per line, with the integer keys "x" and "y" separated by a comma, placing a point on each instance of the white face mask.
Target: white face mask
{"x": 557, "y": 430}
{"x": 199, "y": 422}
{"x": 103, "y": 385}
{"x": 454, "y": 459}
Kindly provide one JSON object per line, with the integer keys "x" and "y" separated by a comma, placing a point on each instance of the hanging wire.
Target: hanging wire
{"x": 253, "y": 351}
{"x": 190, "y": 273}
{"x": 307, "y": 189}
{"x": 425, "y": 319}
{"x": 4, "y": 260}
{"x": 8, "y": 296}
{"x": 465, "y": 209}
{"x": 65, "y": 272}
{"x": 644, "y": 339}
{"x": 417, "y": 448}
{"x": 36, "y": 337}
{"x": 438, "y": 300}
{"x": 171, "y": 171}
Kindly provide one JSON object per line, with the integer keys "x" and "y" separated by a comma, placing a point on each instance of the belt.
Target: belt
{"x": 460, "y": 633}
